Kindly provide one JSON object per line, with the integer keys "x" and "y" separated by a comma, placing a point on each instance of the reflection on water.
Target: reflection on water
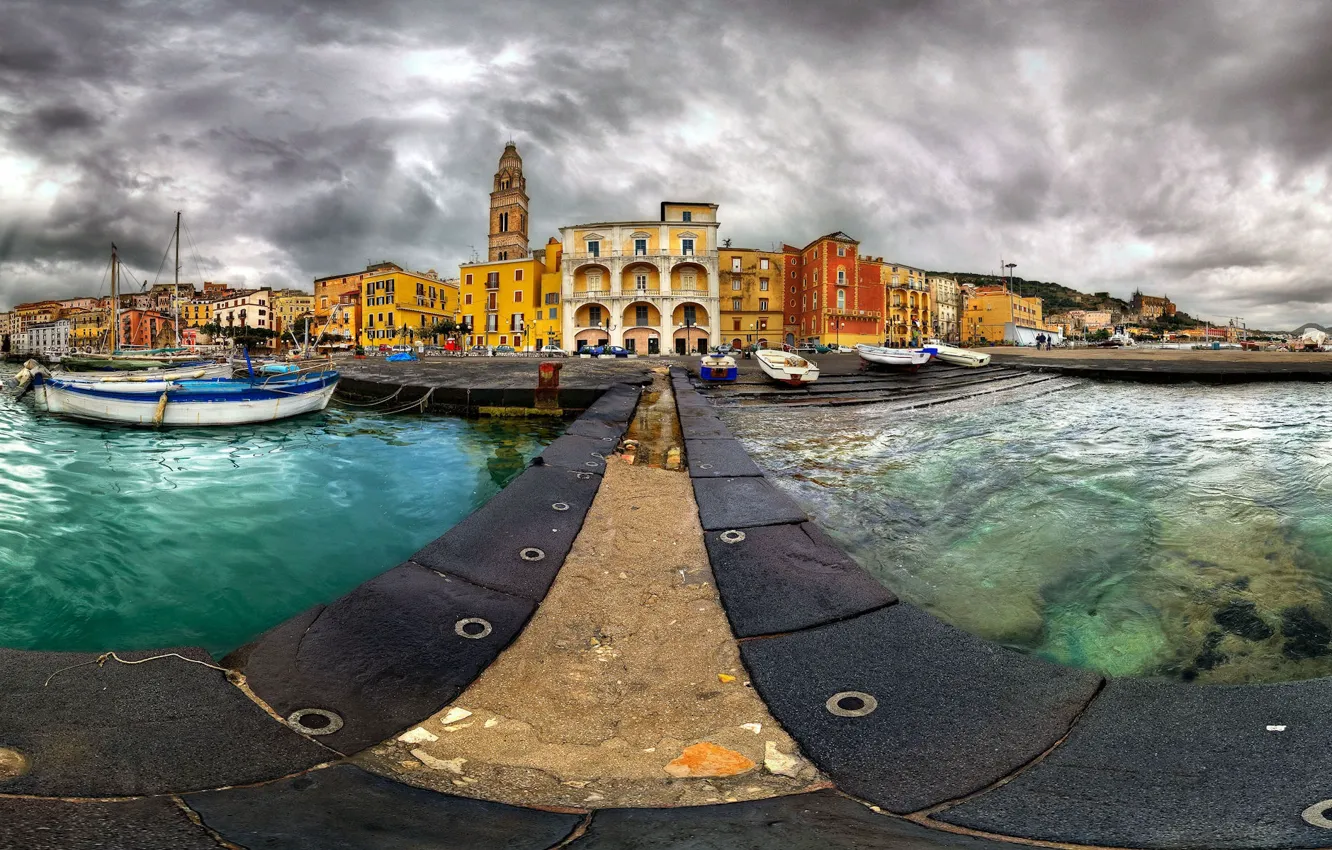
{"x": 1137, "y": 530}
{"x": 126, "y": 538}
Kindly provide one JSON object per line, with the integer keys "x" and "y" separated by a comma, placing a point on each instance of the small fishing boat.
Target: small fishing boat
{"x": 957, "y": 356}
{"x": 717, "y": 367}
{"x": 195, "y": 402}
{"x": 787, "y": 368}
{"x": 896, "y": 358}
{"x": 127, "y": 360}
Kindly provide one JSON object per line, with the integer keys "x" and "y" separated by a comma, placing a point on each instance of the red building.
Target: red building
{"x": 833, "y": 294}
{"x": 146, "y": 329}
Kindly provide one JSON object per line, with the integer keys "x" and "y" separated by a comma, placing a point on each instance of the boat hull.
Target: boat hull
{"x": 787, "y": 368}
{"x": 93, "y": 363}
{"x": 959, "y": 356}
{"x": 187, "y": 404}
{"x": 893, "y": 358}
{"x": 718, "y": 369}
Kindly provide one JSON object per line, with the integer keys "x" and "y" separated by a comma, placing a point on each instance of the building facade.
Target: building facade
{"x": 289, "y": 307}
{"x": 6, "y": 330}
{"x": 508, "y": 209}
{"x": 34, "y": 312}
{"x": 88, "y": 328}
{"x": 45, "y": 339}
{"x": 398, "y": 306}
{"x": 840, "y": 293}
{"x": 146, "y": 328}
{"x": 245, "y": 308}
{"x": 751, "y": 290}
{"x": 1149, "y": 307}
{"x": 995, "y": 314}
{"x": 336, "y": 314}
{"x": 910, "y": 307}
{"x": 650, "y": 286}
{"x": 501, "y": 300}
{"x": 946, "y": 299}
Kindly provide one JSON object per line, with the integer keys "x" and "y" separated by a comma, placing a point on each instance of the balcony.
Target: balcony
{"x": 492, "y": 284}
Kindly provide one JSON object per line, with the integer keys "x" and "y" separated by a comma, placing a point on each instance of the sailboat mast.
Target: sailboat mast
{"x": 115, "y": 300}
{"x": 175, "y": 288}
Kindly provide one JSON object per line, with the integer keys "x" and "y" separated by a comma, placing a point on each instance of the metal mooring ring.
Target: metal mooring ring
{"x": 560, "y": 506}
{"x": 851, "y": 704}
{"x": 1316, "y": 815}
{"x": 460, "y": 628}
{"x": 314, "y": 721}
{"x": 531, "y": 553}
{"x": 583, "y": 476}
{"x": 705, "y": 466}
{"x": 731, "y": 536}
{"x": 591, "y": 463}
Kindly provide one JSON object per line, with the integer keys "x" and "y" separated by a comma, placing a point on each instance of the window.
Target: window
{"x": 552, "y": 298}
{"x": 467, "y": 299}
{"x": 690, "y": 314}
{"x": 381, "y": 318}
{"x": 688, "y": 280}
{"x": 504, "y": 222}
{"x": 432, "y": 292}
{"x": 503, "y": 255}
{"x": 735, "y": 284}
{"x": 518, "y": 274}
{"x": 763, "y": 263}
{"x": 594, "y": 315}
{"x": 594, "y": 280}
{"x": 841, "y": 250}
{"x": 841, "y": 277}
{"x": 735, "y": 303}
{"x": 504, "y": 340}
{"x": 491, "y": 300}
{"x": 390, "y": 321}
{"x": 492, "y": 280}
{"x": 816, "y": 253}
{"x": 687, "y": 247}
{"x": 420, "y": 289}
{"x": 763, "y": 303}
{"x": 841, "y": 299}
{"x": 735, "y": 324}
{"x": 763, "y": 285}
{"x": 594, "y": 248}
{"x": 553, "y": 313}
{"x": 735, "y": 264}
{"x": 816, "y": 275}
{"x": 518, "y": 297}
{"x": 388, "y": 286}
{"x": 492, "y": 323}
{"x": 687, "y": 216}
{"x": 641, "y": 315}
{"x": 640, "y": 247}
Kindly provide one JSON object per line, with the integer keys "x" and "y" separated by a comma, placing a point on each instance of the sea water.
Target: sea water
{"x": 126, "y": 538}
{"x": 1179, "y": 531}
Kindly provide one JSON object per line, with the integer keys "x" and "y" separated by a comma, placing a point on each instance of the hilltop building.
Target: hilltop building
{"x": 1149, "y": 307}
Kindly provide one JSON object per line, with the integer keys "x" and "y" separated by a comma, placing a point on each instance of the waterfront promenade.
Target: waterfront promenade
{"x": 634, "y": 646}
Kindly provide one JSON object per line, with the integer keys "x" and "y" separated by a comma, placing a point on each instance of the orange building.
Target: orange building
{"x": 146, "y": 329}
{"x": 834, "y": 296}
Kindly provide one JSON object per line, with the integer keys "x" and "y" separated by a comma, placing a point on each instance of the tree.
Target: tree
{"x": 231, "y": 325}
{"x": 444, "y": 328}
{"x": 1100, "y": 336}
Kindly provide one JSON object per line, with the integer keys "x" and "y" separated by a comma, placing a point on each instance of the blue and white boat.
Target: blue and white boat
{"x": 717, "y": 367}
{"x": 191, "y": 402}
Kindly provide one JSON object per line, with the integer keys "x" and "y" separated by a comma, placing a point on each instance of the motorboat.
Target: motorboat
{"x": 896, "y": 358}
{"x": 787, "y": 368}
{"x": 957, "y": 356}
{"x": 717, "y": 367}
{"x": 189, "y": 401}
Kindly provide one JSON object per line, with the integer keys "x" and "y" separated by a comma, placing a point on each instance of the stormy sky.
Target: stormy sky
{"x": 1179, "y": 146}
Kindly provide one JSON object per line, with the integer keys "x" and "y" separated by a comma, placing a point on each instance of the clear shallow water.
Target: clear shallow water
{"x": 1136, "y": 530}
{"x": 114, "y": 538}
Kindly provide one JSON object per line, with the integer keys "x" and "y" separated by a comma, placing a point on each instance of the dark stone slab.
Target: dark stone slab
{"x": 725, "y": 503}
{"x": 153, "y": 823}
{"x": 485, "y": 548}
{"x": 386, "y": 654}
{"x": 955, "y": 713}
{"x": 346, "y": 808}
{"x": 719, "y": 459}
{"x": 1165, "y": 764}
{"x": 583, "y": 454}
{"x": 823, "y": 820}
{"x": 702, "y": 424}
{"x": 126, "y": 730}
{"x": 616, "y": 404}
{"x": 598, "y": 428}
{"x": 782, "y": 578}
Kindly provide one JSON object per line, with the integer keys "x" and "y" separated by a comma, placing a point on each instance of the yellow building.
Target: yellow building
{"x": 337, "y": 302}
{"x": 501, "y": 300}
{"x": 910, "y": 307}
{"x": 751, "y": 297}
{"x": 399, "y": 306}
{"x": 549, "y": 327}
{"x": 289, "y": 307}
{"x": 88, "y": 328}
{"x": 995, "y": 314}
{"x": 196, "y": 312}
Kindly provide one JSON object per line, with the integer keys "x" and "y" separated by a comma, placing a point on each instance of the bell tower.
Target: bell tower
{"x": 508, "y": 208}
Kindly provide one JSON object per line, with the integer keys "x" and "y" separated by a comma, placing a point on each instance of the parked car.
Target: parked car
{"x": 725, "y": 348}
{"x": 482, "y": 350}
{"x": 383, "y": 347}
{"x": 843, "y": 349}
{"x": 616, "y": 350}
{"x": 505, "y": 350}
{"x": 398, "y": 349}
{"x": 807, "y": 349}
{"x": 553, "y": 351}
{"x": 593, "y": 350}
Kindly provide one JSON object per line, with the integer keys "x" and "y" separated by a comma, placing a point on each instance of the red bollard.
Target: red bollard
{"x": 548, "y": 385}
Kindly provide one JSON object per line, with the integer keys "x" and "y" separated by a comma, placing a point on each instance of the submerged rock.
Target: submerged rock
{"x": 1240, "y": 617}
{"x": 1210, "y": 657}
{"x": 1306, "y": 636}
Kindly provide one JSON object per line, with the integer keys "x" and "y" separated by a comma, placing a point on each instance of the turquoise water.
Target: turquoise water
{"x": 114, "y": 538}
{"x": 1136, "y": 530}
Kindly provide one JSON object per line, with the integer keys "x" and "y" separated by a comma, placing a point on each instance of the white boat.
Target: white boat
{"x": 787, "y": 368}
{"x": 897, "y": 358}
{"x": 957, "y": 356}
{"x": 196, "y": 402}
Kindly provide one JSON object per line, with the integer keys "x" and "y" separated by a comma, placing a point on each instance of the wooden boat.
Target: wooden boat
{"x": 896, "y": 358}
{"x": 128, "y": 361}
{"x": 195, "y": 402}
{"x": 957, "y": 356}
{"x": 787, "y": 368}
{"x": 717, "y": 367}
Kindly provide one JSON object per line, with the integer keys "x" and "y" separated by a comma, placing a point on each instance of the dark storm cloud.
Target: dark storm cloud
{"x": 1177, "y": 146}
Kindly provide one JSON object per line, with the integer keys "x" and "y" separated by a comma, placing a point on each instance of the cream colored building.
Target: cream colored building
{"x": 651, "y": 286}
{"x": 947, "y": 297}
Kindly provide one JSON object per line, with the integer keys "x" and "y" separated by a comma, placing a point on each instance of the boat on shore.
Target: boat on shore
{"x": 957, "y": 356}
{"x": 185, "y": 401}
{"x": 910, "y": 359}
{"x": 787, "y": 368}
{"x": 717, "y": 367}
